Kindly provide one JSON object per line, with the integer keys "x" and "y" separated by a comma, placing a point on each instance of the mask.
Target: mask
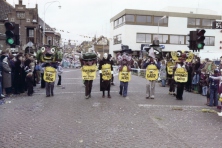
{"x": 105, "y": 56}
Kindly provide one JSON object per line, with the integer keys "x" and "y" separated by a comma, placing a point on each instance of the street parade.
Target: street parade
{"x": 110, "y": 74}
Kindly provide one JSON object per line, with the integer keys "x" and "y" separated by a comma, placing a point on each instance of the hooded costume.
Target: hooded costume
{"x": 106, "y": 72}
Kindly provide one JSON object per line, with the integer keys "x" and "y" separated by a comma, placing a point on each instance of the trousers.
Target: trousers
{"x": 88, "y": 87}
{"x": 150, "y": 88}
{"x": 123, "y": 88}
{"x": 49, "y": 86}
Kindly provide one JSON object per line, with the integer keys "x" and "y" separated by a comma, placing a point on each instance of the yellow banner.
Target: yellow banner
{"x": 106, "y": 72}
{"x": 152, "y": 72}
{"x": 49, "y": 74}
{"x": 170, "y": 66}
{"x": 124, "y": 76}
{"x": 89, "y": 72}
{"x": 181, "y": 75}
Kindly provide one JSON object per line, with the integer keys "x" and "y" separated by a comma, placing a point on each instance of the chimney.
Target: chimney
{"x": 20, "y": 2}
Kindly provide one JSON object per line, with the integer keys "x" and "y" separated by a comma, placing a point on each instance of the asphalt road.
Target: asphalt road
{"x": 68, "y": 120}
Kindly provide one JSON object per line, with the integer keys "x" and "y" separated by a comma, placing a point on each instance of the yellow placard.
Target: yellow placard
{"x": 152, "y": 72}
{"x": 89, "y": 72}
{"x": 170, "y": 67}
{"x": 181, "y": 75}
{"x": 106, "y": 72}
{"x": 190, "y": 57}
{"x": 124, "y": 75}
{"x": 49, "y": 74}
{"x": 174, "y": 56}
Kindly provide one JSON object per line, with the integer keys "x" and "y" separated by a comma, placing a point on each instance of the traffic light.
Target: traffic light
{"x": 200, "y": 39}
{"x": 192, "y": 40}
{"x": 10, "y": 35}
{"x": 17, "y": 36}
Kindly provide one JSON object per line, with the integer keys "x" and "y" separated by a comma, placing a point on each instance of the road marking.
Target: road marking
{"x": 94, "y": 92}
{"x": 170, "y": 106}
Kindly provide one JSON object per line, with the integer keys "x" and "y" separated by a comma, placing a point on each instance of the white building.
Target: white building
{"x": 136, "y": 27}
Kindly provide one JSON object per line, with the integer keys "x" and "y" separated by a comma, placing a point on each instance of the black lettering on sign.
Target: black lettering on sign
{"x": 151, "y": 75}
{"x": 179, "y": 78}
{"x": 49, "y": 78}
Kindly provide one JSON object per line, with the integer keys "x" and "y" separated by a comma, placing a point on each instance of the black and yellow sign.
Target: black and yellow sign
{"x": 181, "y": 75}
{"x": 106, "y": 72}
{"x": 152, "y": 72}
{"x": 49, "y": 74}
{"x": 170, "y": 66}
{"x": 89, "y": 72}
{"x": 124, "y": 75}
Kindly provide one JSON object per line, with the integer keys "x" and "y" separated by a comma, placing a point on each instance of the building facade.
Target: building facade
{"x": 30, "y": 27}
{"x": 136, "y": 27}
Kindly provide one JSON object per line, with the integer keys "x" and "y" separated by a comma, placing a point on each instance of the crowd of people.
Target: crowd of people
{"x": 20, "y": 73}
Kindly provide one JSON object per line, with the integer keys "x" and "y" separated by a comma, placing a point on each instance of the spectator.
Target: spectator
{"x": 60, "y": 71}
{"x": 6, "y": 75}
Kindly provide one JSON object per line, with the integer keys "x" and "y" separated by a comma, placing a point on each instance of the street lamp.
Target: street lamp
{"x": 159, "y": 23}
{"x": 44, "y": 17}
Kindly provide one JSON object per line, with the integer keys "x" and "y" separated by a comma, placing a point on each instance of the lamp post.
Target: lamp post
{"x": 44, "y": 18}
{"x": 159, "y": 23}
{"x": 158, "y": 30}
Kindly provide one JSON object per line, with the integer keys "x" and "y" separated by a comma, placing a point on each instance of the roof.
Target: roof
{"x": 163, "y": 13}
{"x": 5, "y": 9}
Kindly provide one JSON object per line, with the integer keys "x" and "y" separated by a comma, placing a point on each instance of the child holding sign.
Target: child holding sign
{"x": 49, "y": 77}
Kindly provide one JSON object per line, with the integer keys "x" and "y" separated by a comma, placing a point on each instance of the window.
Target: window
{"x": 176, "y": 39}
{"x": 199, "y": 23}
{"x": 143, "y": 38}
{"x": 120, "y": 20}
{"x": 162, "y": 38}
{"x": 130, "y": 18}
{"x": 191, "y": 21}
{"x": 187, "y": 40}
{"x": 30, "y": 33}
{"x": 141, "y": 19}
{"x": 149, "y": 19}
{"x": 209, "y": 41}
{"x": 117, "y": 39}
{"x": 20, "y": 14}
{"x": 162, "y": 22}
{"x": 207, "y": 22}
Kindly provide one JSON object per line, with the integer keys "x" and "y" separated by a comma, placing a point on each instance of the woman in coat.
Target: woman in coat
{"x": 6, "y": 76}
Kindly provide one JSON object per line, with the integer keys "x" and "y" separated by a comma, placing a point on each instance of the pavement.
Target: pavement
{"x": 68, "y": 120}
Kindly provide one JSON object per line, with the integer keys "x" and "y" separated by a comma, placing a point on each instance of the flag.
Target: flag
{"x": 151, "y": 53}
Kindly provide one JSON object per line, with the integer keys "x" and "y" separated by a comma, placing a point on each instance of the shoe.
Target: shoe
{"x": 174, "y": 94}
{"x": 170, "y": 93}
{"x": 2, "y": 96}
{"x": 52, "y": 94}
{"x": 219, "y": 114}
{"x": 47, "y": 95}
{"x": 112, "y": 84}
{"x": 87, "y": 97}
{"x": 103, "y": 96}
{"x": 152, "y": 97}
{"x": 109, "y": 96}
{"x": 120, "y": 93}
{"x": 147, "y": 97}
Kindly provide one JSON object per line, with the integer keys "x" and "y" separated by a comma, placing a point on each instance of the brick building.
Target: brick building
{"x": 30, "y": 27}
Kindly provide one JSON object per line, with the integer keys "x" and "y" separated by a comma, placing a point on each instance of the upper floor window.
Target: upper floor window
{"x": 163, "y": 38}
{"x": 176, "y": 39}
{"x": 143, "y": 38}
{"x": 117, "y": 39}
{"x": 141, "y": 19}
{"x": 162, "y": 22}
{"x": 130, "y": 18}
{"x": 199, "y": 23}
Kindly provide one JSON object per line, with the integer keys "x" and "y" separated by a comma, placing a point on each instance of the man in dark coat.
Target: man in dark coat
{"x": 106, "y": 72}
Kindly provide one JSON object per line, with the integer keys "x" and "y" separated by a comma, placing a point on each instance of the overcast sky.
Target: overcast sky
{"x": 90, "y": 17}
